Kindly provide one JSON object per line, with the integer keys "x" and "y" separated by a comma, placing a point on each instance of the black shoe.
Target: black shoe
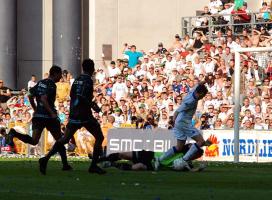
{"x": 43, "y": 164}
{"x": 96, "y": 169}
{"x": 11, "y": 135}
{"x": 67, "y": 168}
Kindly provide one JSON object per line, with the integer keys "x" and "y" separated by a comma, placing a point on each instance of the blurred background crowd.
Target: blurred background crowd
{"x": 144, "y": 87}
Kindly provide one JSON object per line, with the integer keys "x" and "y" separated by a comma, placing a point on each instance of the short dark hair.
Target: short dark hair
{"x": 55, "y": 70}
{"x": 201, "y": 89}
{"x": 88, "y": 65}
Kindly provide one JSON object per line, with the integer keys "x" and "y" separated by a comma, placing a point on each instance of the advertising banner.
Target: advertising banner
{"x": 255, "y": 146}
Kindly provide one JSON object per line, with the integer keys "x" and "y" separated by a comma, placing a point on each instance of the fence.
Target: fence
{"x": 189, "y": 24}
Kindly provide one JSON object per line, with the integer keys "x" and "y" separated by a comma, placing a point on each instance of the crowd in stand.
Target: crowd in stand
{"x": 144, "y": 88}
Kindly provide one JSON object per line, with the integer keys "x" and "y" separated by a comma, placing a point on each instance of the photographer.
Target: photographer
{"x": 204, "y": 119}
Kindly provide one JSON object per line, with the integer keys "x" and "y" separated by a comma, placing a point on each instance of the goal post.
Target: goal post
{"x": 237, "y": 77}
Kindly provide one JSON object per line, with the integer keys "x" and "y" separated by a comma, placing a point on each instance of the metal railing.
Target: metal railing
{"x": 188, "y": 24}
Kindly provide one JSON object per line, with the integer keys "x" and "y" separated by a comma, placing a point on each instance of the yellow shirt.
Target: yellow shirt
{"x": 63, "y": 91}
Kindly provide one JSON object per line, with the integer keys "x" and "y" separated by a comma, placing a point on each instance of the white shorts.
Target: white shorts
{"x": 182, "y": 132}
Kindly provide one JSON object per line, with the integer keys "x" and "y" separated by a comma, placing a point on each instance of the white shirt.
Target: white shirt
{"x": 120, "y": 90}
{"x": 100, "y": 77}
{"x": 227, "y": 12}
{"x": 158, "y": 88}
{"x": 114, "y": 72}
{"x": 31, "y": 84}
{"x": 209, "y": 67}
{"x": 197, "y": 68}
{"x": 214, "y": 6}
{"x": 118, "y": 120}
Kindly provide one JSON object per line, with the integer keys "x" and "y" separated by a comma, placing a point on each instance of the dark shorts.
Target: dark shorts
{"x": 51, "y": 124}
{"x": 92, "y": 125}
{"x": 144, "y": 157}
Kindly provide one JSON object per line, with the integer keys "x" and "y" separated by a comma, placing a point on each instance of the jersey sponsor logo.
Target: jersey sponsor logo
{"x": 42, "y": 85}
{"x": 212, "y": 150}
{"x": 121, "y": 145}
{"x": 78, "y": 82}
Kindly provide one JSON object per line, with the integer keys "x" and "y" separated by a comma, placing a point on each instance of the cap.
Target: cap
{"x": 146, "y": 57}
{"x": 151, "y": 51}
{"x": 117, "y": 110}
{"x": 142, "y": 106}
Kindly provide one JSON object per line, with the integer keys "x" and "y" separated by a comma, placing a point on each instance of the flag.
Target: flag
{"x": 238, "y": 4}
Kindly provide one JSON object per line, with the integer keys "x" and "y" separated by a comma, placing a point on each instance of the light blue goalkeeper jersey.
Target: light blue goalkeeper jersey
{"x": 187, "y": 109}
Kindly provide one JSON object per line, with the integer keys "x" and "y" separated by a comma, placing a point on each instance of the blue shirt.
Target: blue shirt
{"x": 133, "y": 58}
{"x": 187, "y": 110}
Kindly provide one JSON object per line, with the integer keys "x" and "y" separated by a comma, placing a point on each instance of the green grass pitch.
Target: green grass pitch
{"x": 20, "y": 179}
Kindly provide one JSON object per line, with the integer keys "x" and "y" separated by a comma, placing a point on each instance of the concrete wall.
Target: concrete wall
{"x": 29, "y": 40}
{"x": 141, "y": 22}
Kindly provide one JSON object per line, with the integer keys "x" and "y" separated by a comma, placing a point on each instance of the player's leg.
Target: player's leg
{"x": 195, "y": 148}
{"x": 55, "y": 130}
{"x": 173, "y": 150}
{"x": 37, "y": 128}
{"x": 58, "y": 147}
{"x": 69, "y": 132}
{"x": 181, "y": 139}
{"x": 94, "y": 128}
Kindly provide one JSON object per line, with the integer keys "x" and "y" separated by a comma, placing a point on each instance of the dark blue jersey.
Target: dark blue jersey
{"x": 45, "y": 87}
{"x": 81, "y": 98}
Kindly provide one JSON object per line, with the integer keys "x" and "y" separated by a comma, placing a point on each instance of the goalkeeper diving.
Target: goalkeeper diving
{"x": 145, "y": 160}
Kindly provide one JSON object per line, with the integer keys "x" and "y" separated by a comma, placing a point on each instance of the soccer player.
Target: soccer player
{"x": 183, "y": 127}
{"x": 81, "y": 116}
{"x": 144, "y": 160}
{"x": 45, "y": 114}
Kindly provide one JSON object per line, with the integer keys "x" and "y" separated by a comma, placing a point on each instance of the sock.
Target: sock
{"x": 96, "y": 153}
{"x": 24, "y": 138}
{"x": 53, "y": 151}
{"x": 168, "y": 154}
{"x": 191, "y": 152}
{"x": 62, "y": 152}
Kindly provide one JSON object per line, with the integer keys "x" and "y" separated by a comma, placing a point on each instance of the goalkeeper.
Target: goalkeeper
{"x": 144, "y": 160}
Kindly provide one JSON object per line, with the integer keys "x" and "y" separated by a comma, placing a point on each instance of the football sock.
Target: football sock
{"x": 96, "y": 153}
{"x": 62, "y": 152}
{"x": 191, "y": 152}
{"x": 53, "y": 151}
{"x": 23, "y": 137}
{"x": 168, "y": 154}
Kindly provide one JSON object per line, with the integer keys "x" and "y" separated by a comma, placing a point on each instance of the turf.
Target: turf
{"x": 20, "y": 179}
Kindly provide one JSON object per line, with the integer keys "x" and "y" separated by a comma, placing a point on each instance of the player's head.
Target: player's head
{"x": 201, "y": 91}
{"x": 88, "y": 66}
{"x": 55, "y": 73}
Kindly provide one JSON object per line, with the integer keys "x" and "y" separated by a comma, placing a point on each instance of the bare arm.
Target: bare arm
{"x": 32, "y": 102}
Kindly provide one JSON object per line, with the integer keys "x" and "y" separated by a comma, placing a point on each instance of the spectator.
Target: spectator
{"x": 119, "y": 89}
{"x": 63, "y": 90}
{"x": 241, "y": 16}
{"x": 32, "y": 82}
{"x": 133, "y": 55}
